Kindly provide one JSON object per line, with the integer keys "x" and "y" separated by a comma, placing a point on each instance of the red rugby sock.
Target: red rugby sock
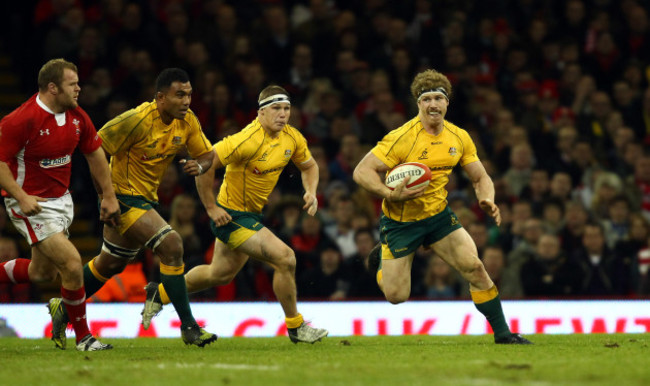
{"x": 75, "y": 304}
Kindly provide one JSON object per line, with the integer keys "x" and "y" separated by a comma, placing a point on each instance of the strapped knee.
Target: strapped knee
{"x": 158, "y": 238}
{"x": 119, "y": 252}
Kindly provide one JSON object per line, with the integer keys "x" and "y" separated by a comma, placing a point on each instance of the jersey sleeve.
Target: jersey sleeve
{"x": 121, "y": 132}
{"x": 89, "y": 141}
{"x": 470, "y": 153}
{"x": 386, "y": 150}
{"x": 302, "y": 153}
{"x": 197, "y": 142}
{"x": 229, "y": 148}
{"x": 12, "y": 139}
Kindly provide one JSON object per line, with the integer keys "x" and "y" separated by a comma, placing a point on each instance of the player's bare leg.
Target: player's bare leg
{"x": 459, "y": 251}
{"x": 62, "y": 253}
{"x": 265, "y": 246}
{"x": 396, "y": 278}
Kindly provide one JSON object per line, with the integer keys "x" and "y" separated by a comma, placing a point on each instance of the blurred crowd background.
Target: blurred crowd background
{"x": 554, "y": 93}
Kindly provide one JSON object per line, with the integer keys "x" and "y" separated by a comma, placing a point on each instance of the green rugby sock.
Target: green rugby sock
{"x": 93, "y": 280}
{"x": 174, "y": 282}
{"x": 489, "y": 304}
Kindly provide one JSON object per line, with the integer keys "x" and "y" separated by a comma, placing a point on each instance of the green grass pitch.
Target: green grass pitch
{"x": 594, "y": 359}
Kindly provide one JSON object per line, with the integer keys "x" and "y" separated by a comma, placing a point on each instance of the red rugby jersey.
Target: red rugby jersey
{"x": 37, "y": 145}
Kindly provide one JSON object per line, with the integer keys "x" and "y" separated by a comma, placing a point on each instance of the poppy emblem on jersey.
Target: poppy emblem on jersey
{"x": 452, "y": 151}
{"x": 424, "y": 155}
{"x": 256, "y": 171}
{"x": 287, "y": 153}
{"x": 45, "y": 132}
{"x": 177, "y": 140}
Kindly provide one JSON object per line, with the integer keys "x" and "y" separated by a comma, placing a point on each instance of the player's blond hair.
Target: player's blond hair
{"x": 52, "y": 72}
{"x": 429, "y": 80}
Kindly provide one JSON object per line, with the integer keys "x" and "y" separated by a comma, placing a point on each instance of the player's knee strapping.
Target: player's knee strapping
{"x": 158, "y": 238}
{"x": 119, "y": 252}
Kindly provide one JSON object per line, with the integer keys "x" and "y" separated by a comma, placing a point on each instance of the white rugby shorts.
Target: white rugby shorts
{"x": 55, "y": 217}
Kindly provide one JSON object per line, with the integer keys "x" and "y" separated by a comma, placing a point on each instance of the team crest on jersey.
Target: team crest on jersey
{"x": 452, "y": 151}
{"x": 55, "y": 163}
{"x": 177, "y": 140}
{"x": 454, "y": 220}
{"x": 287, "y": 153}
{"x": 75, "y": 122}
{"x": 263, "y": 157}
{"x": 424, "y": 155}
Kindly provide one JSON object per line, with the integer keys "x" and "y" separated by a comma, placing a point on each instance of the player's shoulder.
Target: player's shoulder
{"x": 407, "y": 131}
{"x": 145, "y": 112}
{"x": 292, "y": 132}
{"x": 26, "y": 112}
{"x": 192, "y": 119}
{"x": 456, "y": 130}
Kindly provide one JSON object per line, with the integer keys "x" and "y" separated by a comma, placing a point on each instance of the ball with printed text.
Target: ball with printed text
{"x": 420, "y": 175}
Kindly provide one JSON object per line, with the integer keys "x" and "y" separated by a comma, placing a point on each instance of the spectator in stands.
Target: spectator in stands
{"x": 439, "y": 280}
{"x": 603, "y": 272}
{"x": 360, "y": 282}
{"x": 326, "y": 280}
{"x": 549, "y": 272}
{"x": 341, "y": 231}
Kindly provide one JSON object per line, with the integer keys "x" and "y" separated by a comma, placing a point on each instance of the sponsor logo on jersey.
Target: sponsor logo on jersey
{"x": 424, "y": 155}
{"x": 401, "y": 249}
{"x": 45, "y": 132}
{"x": 263, "y": 157}
{"x": 263, "y": 172}
{"x": 437, "y": 143}
{"x": 447, "y": 167}
{"x": 153, "y": 157}
{"x": 55, "y": 163}
{"x": 452, "y": 151}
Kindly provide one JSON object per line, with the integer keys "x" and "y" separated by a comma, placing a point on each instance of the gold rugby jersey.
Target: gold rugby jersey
{"x": 411, "y": 143}
{"x": 142, "y": 147}
{"x": 254, "y": 162}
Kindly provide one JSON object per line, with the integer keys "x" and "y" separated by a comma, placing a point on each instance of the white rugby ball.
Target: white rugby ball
{"x": 420, "y": 175}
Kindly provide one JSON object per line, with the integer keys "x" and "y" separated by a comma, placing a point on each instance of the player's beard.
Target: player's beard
{"x": 67, "y": 102}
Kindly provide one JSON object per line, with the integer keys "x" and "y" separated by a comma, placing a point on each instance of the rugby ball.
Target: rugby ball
{"x": 420, "y": 175}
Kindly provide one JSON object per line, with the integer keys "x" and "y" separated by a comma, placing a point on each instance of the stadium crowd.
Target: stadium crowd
{"x": 554, "y": 93}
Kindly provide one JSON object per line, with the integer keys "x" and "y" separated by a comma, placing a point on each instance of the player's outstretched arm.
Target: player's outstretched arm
{"x": 484, "y": 189}
{"x": 205, "y": 188}
{"x": 309, "y": 174}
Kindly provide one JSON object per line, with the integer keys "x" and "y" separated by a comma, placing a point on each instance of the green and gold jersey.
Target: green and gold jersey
{"x": 142, "y": 147}
{"x": 254, "y": 162}
{"x": 411, "y": 143}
